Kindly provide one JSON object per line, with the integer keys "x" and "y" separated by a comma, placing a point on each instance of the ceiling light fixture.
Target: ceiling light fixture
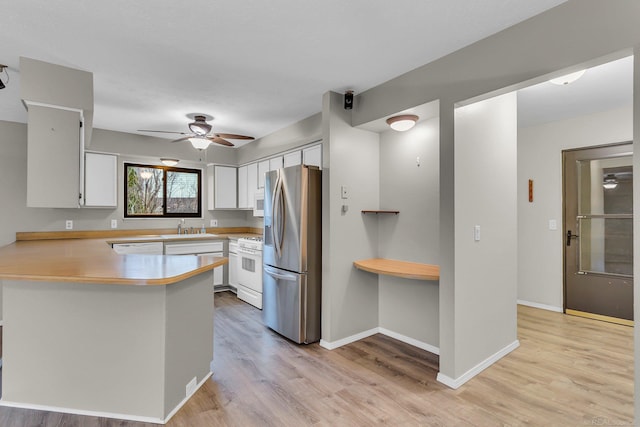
{"x": 610, "y": 182}
{"x": 566, "y": 79}
{"x": 200, "y": 126}
{"x": 169, "y": 162}
{"x": 403, "y": 122}
{"x": 2, "y": 69}
{"x": 199, "y": 142}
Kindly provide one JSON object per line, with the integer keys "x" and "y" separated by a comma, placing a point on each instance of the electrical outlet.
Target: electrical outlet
{"x": 191, "y": 387}
{"x": 68, "y": 224}
{"x": 114, "y": 223}
{"x": 213, "y": 223}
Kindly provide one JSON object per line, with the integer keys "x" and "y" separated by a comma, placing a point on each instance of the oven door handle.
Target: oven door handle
{"x": 275, "y": 274}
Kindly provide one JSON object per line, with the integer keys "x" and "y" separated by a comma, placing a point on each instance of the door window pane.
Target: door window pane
{"x": 605, "y": 186}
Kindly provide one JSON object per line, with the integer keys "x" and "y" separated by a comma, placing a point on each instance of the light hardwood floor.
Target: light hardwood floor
{"x": 568, "y": 371}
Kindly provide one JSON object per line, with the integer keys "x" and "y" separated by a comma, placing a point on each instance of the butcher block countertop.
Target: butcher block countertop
{"x": 93, "y": 261}
{"x": 405, "y": 269}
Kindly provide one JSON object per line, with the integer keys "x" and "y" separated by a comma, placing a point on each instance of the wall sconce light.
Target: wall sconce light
{"x": 403, "y": 122}
{"x": 610, "y": 182}
{"x": 3, "y": 69}
{"x": 567, "y": 79}
{"x": 169, "y": 162}
{"x": 199, "y": 142}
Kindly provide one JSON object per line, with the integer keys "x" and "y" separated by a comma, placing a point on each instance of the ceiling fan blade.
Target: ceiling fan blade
{"x": 233, "y": 136}
{"x": 220, "y": 141}
{"x": 161, "y": 131}
{"x": 186, "y": 138}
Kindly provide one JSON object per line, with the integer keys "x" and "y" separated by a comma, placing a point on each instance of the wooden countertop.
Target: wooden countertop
{"x": 405, "y": 269}
{"x": 93, "y": 261}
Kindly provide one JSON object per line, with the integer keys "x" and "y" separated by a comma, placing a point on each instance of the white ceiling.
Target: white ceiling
{"x": 255, "y": 66}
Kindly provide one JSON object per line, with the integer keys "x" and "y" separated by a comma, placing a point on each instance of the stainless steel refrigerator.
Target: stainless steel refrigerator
{"x": 292, "y": 252}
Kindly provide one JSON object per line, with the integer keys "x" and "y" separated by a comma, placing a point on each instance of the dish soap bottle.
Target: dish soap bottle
{"x": 203, "y": 230}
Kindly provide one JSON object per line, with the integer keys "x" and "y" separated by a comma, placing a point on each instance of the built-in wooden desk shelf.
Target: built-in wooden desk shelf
{"x": 381, "y": 212}
{"x": 405, "y": 269}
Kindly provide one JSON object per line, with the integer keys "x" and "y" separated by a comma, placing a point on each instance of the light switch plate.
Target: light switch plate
{"x": 553, "y": 224}
{"x": 114, "y": 223}
{"x": 476, "y": 233}
{"x": 344, "y": 192}
{"x": 213, "y": 223}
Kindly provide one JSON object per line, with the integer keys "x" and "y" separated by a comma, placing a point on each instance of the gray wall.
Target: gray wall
{"x": 409, "y": 307}
{"x": 540, "y": 271}
{"x": 485, "y": 270}
{"x": 351, "y": 158}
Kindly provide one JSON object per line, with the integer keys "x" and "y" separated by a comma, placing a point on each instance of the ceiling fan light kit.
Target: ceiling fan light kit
{"x": 402, "y": 122}
{"x": 200, "y": 136}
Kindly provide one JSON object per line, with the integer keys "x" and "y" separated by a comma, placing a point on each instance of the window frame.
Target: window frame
{"x": 165, "y": 170}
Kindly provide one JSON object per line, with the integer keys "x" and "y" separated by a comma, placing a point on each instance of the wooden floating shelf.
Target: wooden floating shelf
{"x": 404, "y": 269}
{"x": 381, "y": 212}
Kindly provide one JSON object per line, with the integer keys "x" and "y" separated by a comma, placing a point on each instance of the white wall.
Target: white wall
{"x": 485, "y": 270}
{"x": 409, "y": 307}
{"x": 540, "y": 259}
{"x": 351, "y": 158}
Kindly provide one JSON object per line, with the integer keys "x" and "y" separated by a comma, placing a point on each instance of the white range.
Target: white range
{"x": 250, "y": 270}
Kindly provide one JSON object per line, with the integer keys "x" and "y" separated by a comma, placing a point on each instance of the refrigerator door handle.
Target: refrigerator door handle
{"x": 277, "y": 229}
{"x": 277, "y": 275}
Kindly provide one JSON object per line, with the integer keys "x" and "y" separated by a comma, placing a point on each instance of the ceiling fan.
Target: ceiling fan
{"x": 200, "y": 135}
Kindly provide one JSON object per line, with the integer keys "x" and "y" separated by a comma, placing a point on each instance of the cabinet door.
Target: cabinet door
{"x": 263, "y": 167}
{"x": 218, "y": 276}
{"x": 100, "y": 180}
{"x": 53, "y": 158}
{"x": 275, "y": 163}
{"x": 252, "y": 184}
{"x": 313, "y": 156}
{"x": 225, "y": 187}
{"x": 292, "y": 159}
{"x": 243, "y": 191}
{"x": 233, "y": 270}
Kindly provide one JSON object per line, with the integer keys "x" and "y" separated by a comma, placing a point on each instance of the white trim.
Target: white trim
{"x": 126, "y": 417}
{"x": 58, "y": 107}
{"x": 541, "y": 306}
{"x": 457, "y": 382}
{"x": 348, "y": 340}
{"x": 80, "y": 412}
{"x": 362, "y": 335}
{"x": 181, "y": 404}
{"x": 411, "y": 341}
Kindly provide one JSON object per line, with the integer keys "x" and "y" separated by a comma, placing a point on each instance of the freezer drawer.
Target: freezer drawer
{"x": 288, "y": 306}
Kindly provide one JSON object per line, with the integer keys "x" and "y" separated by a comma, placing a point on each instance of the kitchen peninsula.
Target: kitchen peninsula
{"x": 89, "y": 331}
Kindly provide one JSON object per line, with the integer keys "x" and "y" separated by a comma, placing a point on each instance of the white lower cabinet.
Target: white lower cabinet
{"x": 233, "y": 263}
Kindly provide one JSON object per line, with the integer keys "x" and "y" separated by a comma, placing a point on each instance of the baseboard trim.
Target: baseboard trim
{"x": 379, "y": 330}
{"x": 541, "y": 306}
{"x": 181, "y": 404}
{"x": 411, "y": 341}
{"x": 600, "y": 317}
{"x": 113, "y": 415}
{"x": 455, "y": 383}
{"x": 332, "y": 345}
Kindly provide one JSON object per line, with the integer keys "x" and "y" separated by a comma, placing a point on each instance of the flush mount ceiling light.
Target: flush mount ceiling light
{"x": 610, "y": 182}
{"x": 402, "y": 122}
{"x": 169, "y": 162}
{"x": 566, "y": 79}
{"x": 200, "y": 142}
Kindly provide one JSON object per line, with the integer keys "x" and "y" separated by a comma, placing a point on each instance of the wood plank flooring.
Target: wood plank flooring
{"x": 568, "y": 371}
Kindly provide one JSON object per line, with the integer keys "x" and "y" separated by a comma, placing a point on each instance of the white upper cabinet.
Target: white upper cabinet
{"x": 312, "y": 156}
{"x": 252, "y": 183}
{"x": 53, "y": 158}
{"x": 292, "y": 159}
{"x": 225, "y": 187}
{"x": 263, "y": 167}
{"x": 275, "y": 163}
{"x": 100, "y": 182}
{"x": 243, "y": 190}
